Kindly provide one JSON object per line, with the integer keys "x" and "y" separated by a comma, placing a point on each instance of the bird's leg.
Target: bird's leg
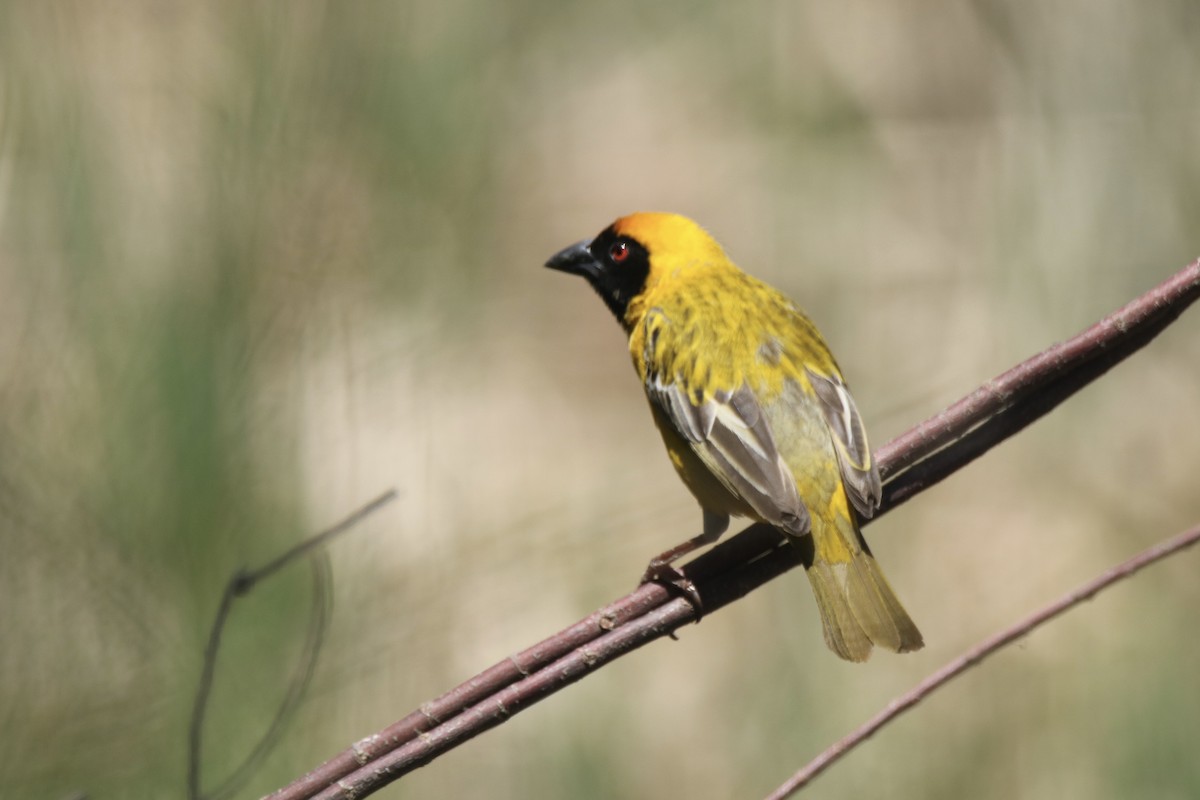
{"x": 660, "y": 569}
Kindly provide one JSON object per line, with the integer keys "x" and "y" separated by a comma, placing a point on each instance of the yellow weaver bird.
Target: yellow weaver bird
{"x": 753, "y": 410}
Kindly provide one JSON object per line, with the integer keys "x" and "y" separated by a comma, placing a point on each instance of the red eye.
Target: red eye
{"x": 618, "y": 252}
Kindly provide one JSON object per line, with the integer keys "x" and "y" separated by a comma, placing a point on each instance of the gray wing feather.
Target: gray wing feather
{"x": 730, "y": 435}
{"x": 860, "y": 473}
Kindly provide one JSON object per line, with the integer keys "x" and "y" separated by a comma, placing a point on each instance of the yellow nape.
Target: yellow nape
{"x": 660, "y": 233}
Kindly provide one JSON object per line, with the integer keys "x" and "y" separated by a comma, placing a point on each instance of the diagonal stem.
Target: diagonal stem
{"x": 981, "y": 651}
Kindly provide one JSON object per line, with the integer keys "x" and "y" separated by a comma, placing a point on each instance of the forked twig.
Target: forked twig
{"x": 242, "y": 583}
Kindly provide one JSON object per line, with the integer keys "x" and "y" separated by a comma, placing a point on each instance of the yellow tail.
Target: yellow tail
{"x": 858, "y": 607}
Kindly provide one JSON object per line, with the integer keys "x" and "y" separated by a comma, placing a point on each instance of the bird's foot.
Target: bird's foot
{"x": 663, "y": 572}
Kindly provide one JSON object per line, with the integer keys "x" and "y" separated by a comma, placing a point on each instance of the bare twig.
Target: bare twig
{"x": 245, "y": 580}
{"x": 240, "y": 584}
{"x": 913, "y": 462}
{"x": 981, "y": 651}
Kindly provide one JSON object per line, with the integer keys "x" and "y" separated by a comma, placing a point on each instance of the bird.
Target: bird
{"x": 754, "y": 412}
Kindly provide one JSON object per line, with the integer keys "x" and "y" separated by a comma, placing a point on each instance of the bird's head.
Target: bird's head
{"x": 629, "y": 258}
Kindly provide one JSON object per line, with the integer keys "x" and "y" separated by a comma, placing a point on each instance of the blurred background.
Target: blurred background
{"x": 261, "y": 262}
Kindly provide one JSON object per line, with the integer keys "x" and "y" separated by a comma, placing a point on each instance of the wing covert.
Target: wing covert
{"x": 860, "y": 473}
{"x": 729, "y": 433}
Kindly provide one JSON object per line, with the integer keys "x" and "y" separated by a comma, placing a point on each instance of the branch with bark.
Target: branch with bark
{"x": 912, "y": 463}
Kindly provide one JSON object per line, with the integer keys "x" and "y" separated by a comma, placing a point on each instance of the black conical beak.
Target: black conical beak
{"x": 576, "y": 259}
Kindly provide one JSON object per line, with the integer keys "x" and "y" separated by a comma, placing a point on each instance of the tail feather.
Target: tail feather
{"x": 858, "y": 607}
{"x": 843, "y": 632}
{"x": 877, "y": 609}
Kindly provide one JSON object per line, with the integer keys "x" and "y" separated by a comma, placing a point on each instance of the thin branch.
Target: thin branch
{"x": 981, "y": 651}
{"x": 914, "y": 462}
{"x": 238, "y": 585}
{"x": 487, "y": 684}
{"x": 246, "y": 580}
{"x": 1011, "y": 401}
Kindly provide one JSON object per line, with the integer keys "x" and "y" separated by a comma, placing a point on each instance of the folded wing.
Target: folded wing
{"x": 860, "y": 474}
{"x": 730, "y": 435}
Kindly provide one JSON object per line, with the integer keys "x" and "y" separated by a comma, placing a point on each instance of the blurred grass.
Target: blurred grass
{"x": 260, "y": 262}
